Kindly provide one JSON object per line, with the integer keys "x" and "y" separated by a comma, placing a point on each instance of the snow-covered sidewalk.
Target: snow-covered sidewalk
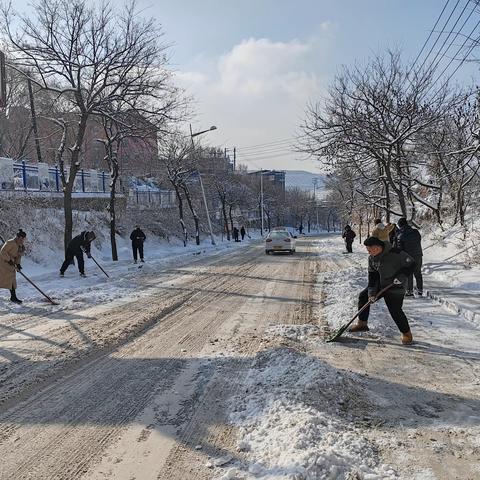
{"x": 125, "y": 278}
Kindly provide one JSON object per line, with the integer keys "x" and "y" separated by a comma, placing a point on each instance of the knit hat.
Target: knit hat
{"x": 372, "y": 241}
{"x": 402, "y": 222}
{"x": 21, "y": 233}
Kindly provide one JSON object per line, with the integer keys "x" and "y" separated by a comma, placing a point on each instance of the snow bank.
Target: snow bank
{"x": 291, "y": 425}
{"x": 346, "y": 285}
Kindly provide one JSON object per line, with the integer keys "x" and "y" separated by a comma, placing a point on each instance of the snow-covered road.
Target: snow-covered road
{"x": 219, "y": 369}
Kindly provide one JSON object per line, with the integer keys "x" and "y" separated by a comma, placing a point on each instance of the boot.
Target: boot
{"x": 83, "y": 275}
{"x": 13, "y": 297}
{"x": 407, "y": 338}
{"x": 360, "y": 326}
{"x": 409, "y": 294}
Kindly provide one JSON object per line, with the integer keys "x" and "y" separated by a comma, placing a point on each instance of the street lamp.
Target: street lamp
{"x": 213, "y": 127}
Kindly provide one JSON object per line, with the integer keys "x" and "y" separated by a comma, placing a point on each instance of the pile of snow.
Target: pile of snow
{"x": 347, "y": 284}
{"x": 292, "y": 426}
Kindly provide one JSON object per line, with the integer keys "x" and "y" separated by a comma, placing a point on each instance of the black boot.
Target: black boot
{"x": 13, "y": 297}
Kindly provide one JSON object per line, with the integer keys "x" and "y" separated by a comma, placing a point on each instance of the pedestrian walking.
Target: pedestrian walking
{"x": 386, "y": 266}
{"x": 138, "y": 238}
{"x": 409, "y": 240}
{"x": 75, "y": 249}
{"x": 235, "y": 234}
{"x": 348, "y": 235}
{"x": 382, "y": 231}
{"x": 243, "y": 232}
{"x": 10, "y": 256}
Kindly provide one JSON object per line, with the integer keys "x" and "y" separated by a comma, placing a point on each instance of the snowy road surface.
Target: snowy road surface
{"x": 219, "y": 369}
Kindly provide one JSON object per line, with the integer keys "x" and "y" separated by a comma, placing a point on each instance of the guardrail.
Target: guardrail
{"x": 22, "y": 176}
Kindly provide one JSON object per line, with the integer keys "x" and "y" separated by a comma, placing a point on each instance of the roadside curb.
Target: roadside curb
{"x": 470, "y": 315}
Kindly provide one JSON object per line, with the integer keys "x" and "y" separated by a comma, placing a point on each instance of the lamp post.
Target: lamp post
{"x": 315, "y": 184}
{"x": 261, "y": 201}
{"x": 213, "y": 127}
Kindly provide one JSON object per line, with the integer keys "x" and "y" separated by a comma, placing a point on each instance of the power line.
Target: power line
{"x": 439, "y": 35}
{"x": 265, "y": 152}
{"x": 275, "y": 142}
{"x": 462, "y": 61}
{"x": 432, "y": 69}
{"x": 265, "y": 157}
{"x": 429, "y": 36}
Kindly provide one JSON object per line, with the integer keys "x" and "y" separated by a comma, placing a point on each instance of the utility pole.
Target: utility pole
{"x": 315, "y": 182}
{"x": 234, "y": 158}
{"x": 34, "y": 120}
{"x": 212, "y": 239}
{"x": 3, "y": 82}
{"x": 261, "y": 200}
{"x": 3, "y": 97}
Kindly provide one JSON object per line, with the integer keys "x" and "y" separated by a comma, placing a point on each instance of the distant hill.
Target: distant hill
{"x": 304, "y": 180}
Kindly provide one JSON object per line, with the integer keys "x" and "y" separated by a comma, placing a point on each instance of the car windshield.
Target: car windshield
{"x": 278, "y": 234}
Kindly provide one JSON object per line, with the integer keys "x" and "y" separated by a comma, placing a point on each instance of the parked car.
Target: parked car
{"x": 280, "y": 241}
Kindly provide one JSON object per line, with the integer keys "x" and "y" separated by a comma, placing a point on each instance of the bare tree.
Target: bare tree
{"x": 175, "y": 156}
{"x": 90, "y": 56}
{"x": 372, "y": 117}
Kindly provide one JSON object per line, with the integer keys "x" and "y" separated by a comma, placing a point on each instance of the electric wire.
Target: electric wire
{"x": 429, "y": 36}
{"x": 438, "y": 36}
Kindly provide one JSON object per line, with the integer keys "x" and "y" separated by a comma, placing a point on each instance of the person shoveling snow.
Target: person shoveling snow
{"x": 386, "y": 266}
{"x": 10, "y": 255}
{"x": 76, "y": 247}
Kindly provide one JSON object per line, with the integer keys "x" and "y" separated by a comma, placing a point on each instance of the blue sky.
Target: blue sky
{"x": 252, "y": 65}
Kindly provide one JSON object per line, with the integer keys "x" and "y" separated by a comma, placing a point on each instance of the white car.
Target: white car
{"x": 280, "y": 241}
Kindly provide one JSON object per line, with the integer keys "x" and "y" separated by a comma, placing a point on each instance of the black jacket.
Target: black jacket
{"x": 137, "y": 237}
{"x": 409, "y": 240}
{"x": 79, "y": 244}
{"x": 349, "y": 235}
{"x": 383, "y": 269}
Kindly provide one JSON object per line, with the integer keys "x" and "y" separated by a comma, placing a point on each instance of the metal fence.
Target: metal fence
{"x": 44, "y": 178}
{"x": 21, "y": 176}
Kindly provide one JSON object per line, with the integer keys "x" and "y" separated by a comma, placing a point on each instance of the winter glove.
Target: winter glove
{"x": 372, "y": 298}
{"x": 19, "y": 267}
{"x": 89, "y": 255}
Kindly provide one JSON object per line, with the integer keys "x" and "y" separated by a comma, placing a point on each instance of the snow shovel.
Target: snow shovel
{"x": 98, "y": 265}
{"x": 336, "y": 335}
{"x": 33, "y": 285}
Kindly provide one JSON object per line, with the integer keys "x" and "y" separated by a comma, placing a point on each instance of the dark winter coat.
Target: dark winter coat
{"x": 79, "y": 244}
{"x": 137, "y": 237}
{"x": 349, "y": 235}
{"x": 242, "y": 232}
{"x": 409, "y": 240}
{"x": 389, "y": 265}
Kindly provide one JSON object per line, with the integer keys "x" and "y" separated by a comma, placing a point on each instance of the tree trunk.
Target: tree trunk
{"x": 67, "y": 209}
{"x": 225, "y": 219}
{"x": 180, "y": 215}
{"x": 111, "y": 207}
{"x": 68, "y": 187}
{"x": 194, "y": 214}
{"x": 231, "y": 217}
